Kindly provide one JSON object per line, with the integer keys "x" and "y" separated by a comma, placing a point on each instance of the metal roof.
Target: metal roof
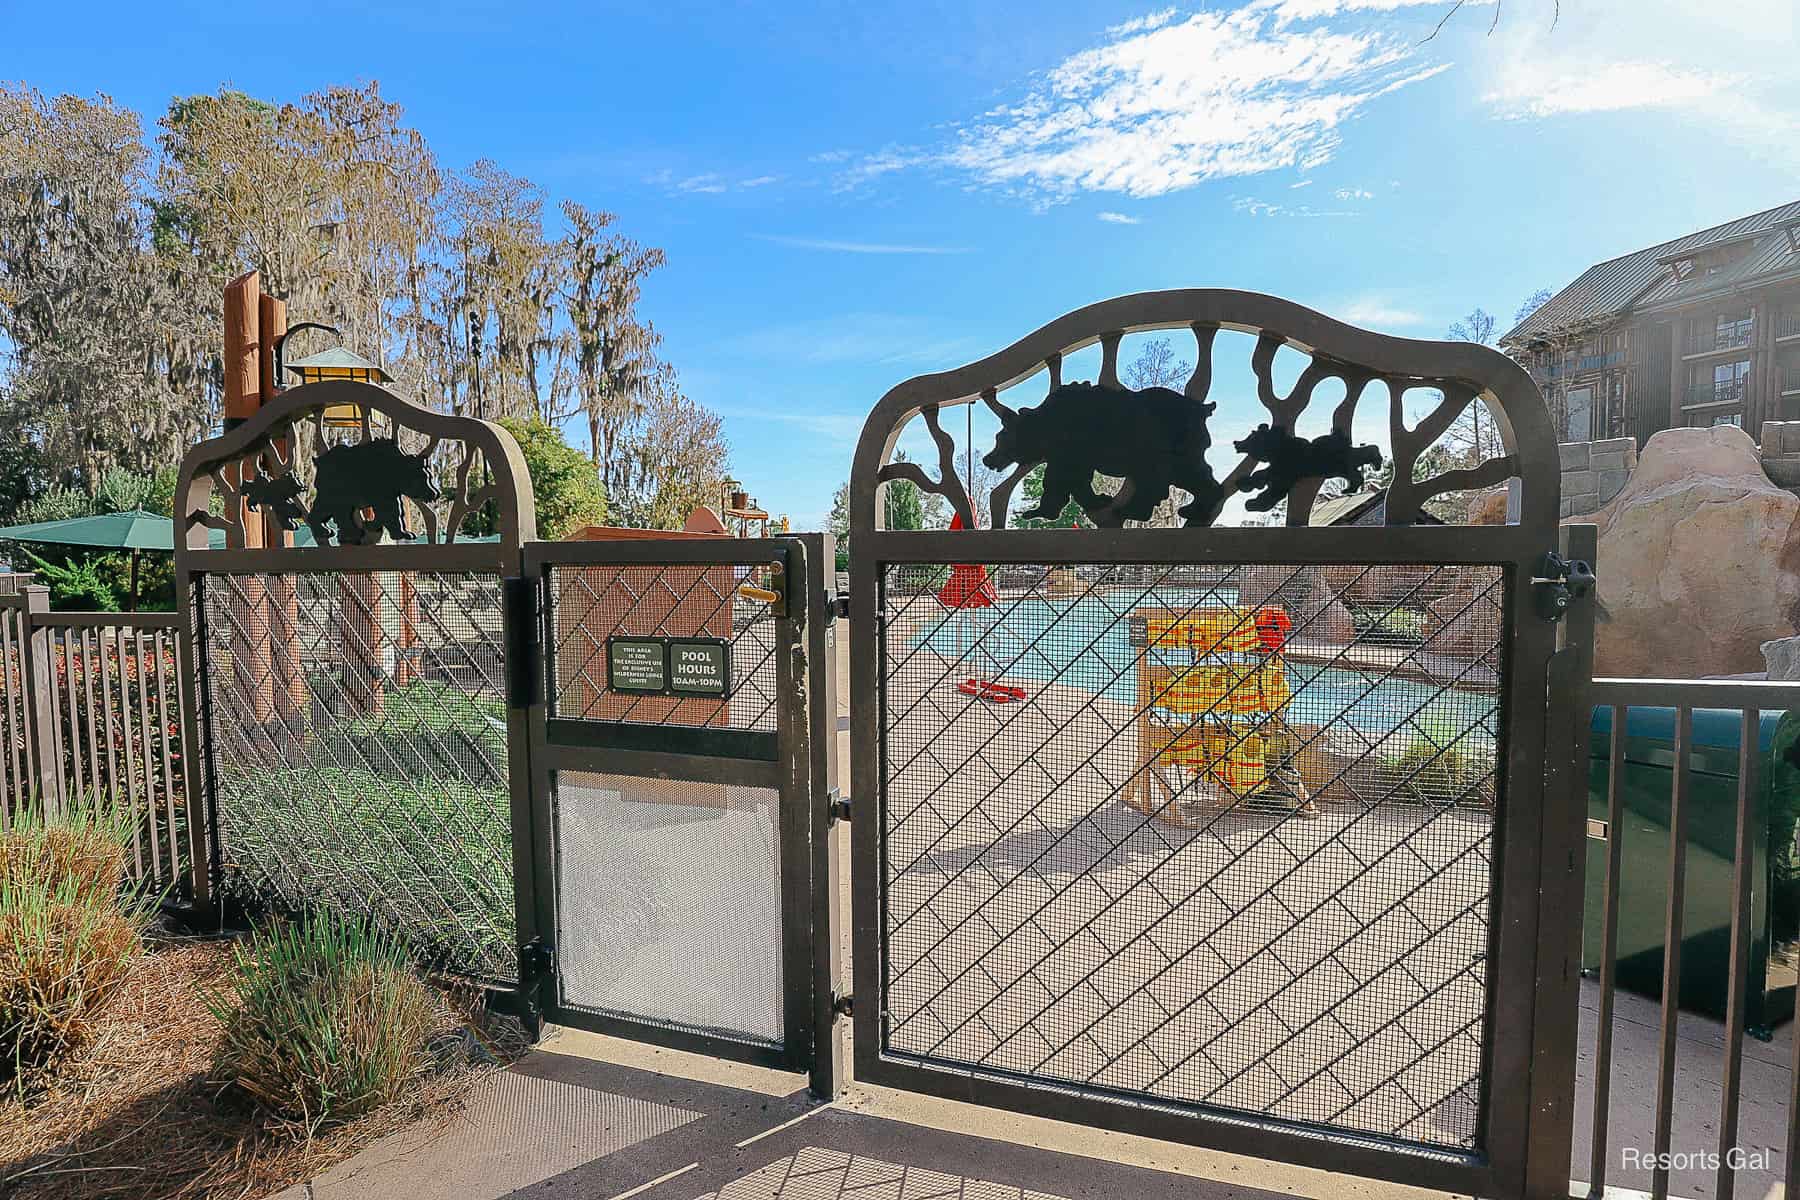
{"x": 1643, "y": 279}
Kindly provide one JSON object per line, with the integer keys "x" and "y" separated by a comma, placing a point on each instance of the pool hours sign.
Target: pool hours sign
{"x": 669, "y": 666}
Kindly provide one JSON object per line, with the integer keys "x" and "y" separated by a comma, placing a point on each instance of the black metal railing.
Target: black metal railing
{"x": 1719, "y": 391}
{"x": 1787, "y": 323}
{"x": 1790, "y": 377}
{"x": 1749, "y": 700}
{"x": 1709, "y": 339}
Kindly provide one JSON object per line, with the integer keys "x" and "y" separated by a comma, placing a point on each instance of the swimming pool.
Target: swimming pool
{"x": 1085, "y": 643}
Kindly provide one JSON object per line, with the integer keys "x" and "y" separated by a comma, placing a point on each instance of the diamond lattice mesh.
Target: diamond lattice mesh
{"x": 712, "y": 601}
{"x": 1208, "y": 835}
{"x": 359, "y": 751}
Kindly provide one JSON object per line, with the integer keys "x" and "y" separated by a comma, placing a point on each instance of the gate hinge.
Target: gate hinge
{"x": 837, "y": 807}
{"x": 1561, "y": 580}
{"x": 537, "y": 961}
{"x": 843, "y": 1004}
{"x": 524, "y": 639}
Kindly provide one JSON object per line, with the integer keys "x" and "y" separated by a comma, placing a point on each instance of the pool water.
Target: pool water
{"x": 1085, "y": 643}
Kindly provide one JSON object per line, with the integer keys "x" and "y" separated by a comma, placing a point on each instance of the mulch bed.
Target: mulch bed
{"x": 138, "y": 1112}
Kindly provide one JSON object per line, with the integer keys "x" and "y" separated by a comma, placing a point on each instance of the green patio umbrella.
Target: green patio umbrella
{"x": 133, "y": 532}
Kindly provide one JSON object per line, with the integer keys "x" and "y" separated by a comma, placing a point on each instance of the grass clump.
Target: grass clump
{"x": 68, "y": 933}
{"x": 324, "y": 1021}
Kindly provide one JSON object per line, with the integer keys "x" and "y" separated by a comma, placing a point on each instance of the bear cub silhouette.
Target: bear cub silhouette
{"x": 1153, "y": 439}
{"x": 1291, "y": 459}
{"x": 353, "y": 476}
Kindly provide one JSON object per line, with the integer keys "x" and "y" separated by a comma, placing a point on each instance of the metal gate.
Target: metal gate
{"x": 358, "y": 728}
{"x": 1233, "y": 836}
{"x": 681, "y": 767}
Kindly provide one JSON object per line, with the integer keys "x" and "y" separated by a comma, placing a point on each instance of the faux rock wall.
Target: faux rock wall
{"x": 1595, "y": 472}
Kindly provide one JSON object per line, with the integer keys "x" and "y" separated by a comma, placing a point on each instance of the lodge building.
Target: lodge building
{"x": 1703, "y": 330}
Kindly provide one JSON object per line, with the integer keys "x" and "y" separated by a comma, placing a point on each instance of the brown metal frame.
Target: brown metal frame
{"x": 797, "y": 761}
{"x": 1527, "y": 1113}
{"x": 507, "y": 485}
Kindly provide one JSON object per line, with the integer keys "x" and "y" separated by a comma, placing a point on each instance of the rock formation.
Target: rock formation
{"x": 1699, "y": 560}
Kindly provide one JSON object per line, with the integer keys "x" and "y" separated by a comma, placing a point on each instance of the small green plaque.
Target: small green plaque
{"x": 637, "y": 664}
{"x": 699, "y": 667}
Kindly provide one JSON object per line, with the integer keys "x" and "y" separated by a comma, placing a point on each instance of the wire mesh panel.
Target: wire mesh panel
{"x": 669, "y": 890}
{"x": 712, "y": 601}
{"x": 669, "y": 903}
{"x": 1212, "y": 835}
{"x": 358, "y": 742}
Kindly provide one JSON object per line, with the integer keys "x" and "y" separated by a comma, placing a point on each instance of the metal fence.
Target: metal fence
{"x": 1224, "y": 839}
{"x": 358, "y": 751}
{"x": 1630, "y": 1144}
{"x": 90, "y": 710}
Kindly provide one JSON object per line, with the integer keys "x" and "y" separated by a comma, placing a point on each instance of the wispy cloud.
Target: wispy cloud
{"x": 1377, "y": 312}
{"x": 1289, "y": 11}
{"x": 1301, "y": 184}
{"x": 1155, "y": 20}
{"x": 830, "y": 156}
{"x": 1354, "y": 193}
{"x": 1267, "y": 208}
{"x": 1166, "y": 103}
{"x": 1119, "y": 218}
{"x": 1551, "y": 89}
{"x": 846, "y": 247}
{"x": 760, "y": 181}
{"x": 708, "y": 184}
{"x": 879, "y": 339}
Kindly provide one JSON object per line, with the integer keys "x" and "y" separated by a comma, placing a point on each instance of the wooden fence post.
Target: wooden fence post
{"x": 39, "y": 675}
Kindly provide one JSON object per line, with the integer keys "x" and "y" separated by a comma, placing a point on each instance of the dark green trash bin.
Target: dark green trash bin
{"x": 1712, "y": 833}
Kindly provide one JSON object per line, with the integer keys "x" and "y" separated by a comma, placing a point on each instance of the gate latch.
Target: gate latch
{"x": 840, "y": 605}
{"x": 1561, "y": 580}
{"x": 837, "y": 807}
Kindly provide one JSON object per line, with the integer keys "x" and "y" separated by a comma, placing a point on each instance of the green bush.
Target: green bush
{"x": 68, "y": 934}
{"x": 1389, "y": 626}
{"x": 325, "y": 1020}
{"x": 1442, "y": 765}
{"x": 417, "y": 854}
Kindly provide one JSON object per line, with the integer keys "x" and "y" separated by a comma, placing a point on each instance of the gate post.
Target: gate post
{"x": 1549, "y": 1142}
{"x": 40, "y": 707}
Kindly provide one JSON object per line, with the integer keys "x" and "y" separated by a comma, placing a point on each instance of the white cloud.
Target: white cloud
{"x": 708, "y": 184}
{"x": 759, "y": 181}
{"x": 1375, "y": 312}
{"x": 1161, "y": 107}
{"x": 1265, "y": 208}
{"x": 1552, "y": 88}
{"x": 1301, "y": 184}
{"x": 1289, "y": 11}
{"x": 830, "y": 156}
{"x": 881, "y": 339}
{"x": 1354, "y": 193}
{"x": 845, "y": 247}
{"x": 1119, "y": 218}
{"x": 1155, "y": 20}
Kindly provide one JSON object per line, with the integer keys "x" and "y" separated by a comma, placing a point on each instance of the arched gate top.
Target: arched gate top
{"x": 1157, "y": 437}
{"x": 356, "y": 489}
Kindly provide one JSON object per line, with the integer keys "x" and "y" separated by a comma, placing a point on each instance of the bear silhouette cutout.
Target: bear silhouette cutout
{"x": 1153, "y": 439}
{"x": 279, "y": 496}
{"x": 373, "y": 475}
{"x": 1291, "y": 459}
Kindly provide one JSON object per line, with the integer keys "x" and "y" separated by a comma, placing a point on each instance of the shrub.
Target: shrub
{"x": 67, "y": 934}
{"x": 325, "y": 1021}
{"x": 431, "y": 857}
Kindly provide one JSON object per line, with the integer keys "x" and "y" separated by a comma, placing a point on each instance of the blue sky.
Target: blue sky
{"x": 853, "y": 194}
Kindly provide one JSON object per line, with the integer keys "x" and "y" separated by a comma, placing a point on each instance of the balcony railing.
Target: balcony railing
{"x": 1718, "y": 392}
{"x": 1709, "y": 339}
{"x": 1790, "y": 377}
{"x": 1787, "y": 323}
{"x": 1748, "y": 701}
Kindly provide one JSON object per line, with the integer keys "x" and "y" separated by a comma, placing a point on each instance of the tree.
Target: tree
{"x": 903, "y": 507}
{"x": 1531, "y": 304}
{"x": 837, "y": 523}
{"x": 1156, "y": 366}
{"x": 1473, "y": 437}
{"x": 568, "y": 492}
{"x": 674, "y": 459}
{"x": 612, "y": 352}
{"x": 98, "y": 343}
{"x": 1032, "y": 489}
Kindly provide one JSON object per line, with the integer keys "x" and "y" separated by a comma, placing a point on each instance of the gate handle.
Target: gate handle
{"x": 750, "y": 591}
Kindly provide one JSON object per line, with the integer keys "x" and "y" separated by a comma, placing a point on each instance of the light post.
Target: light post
{"x": 335, "y": 363}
